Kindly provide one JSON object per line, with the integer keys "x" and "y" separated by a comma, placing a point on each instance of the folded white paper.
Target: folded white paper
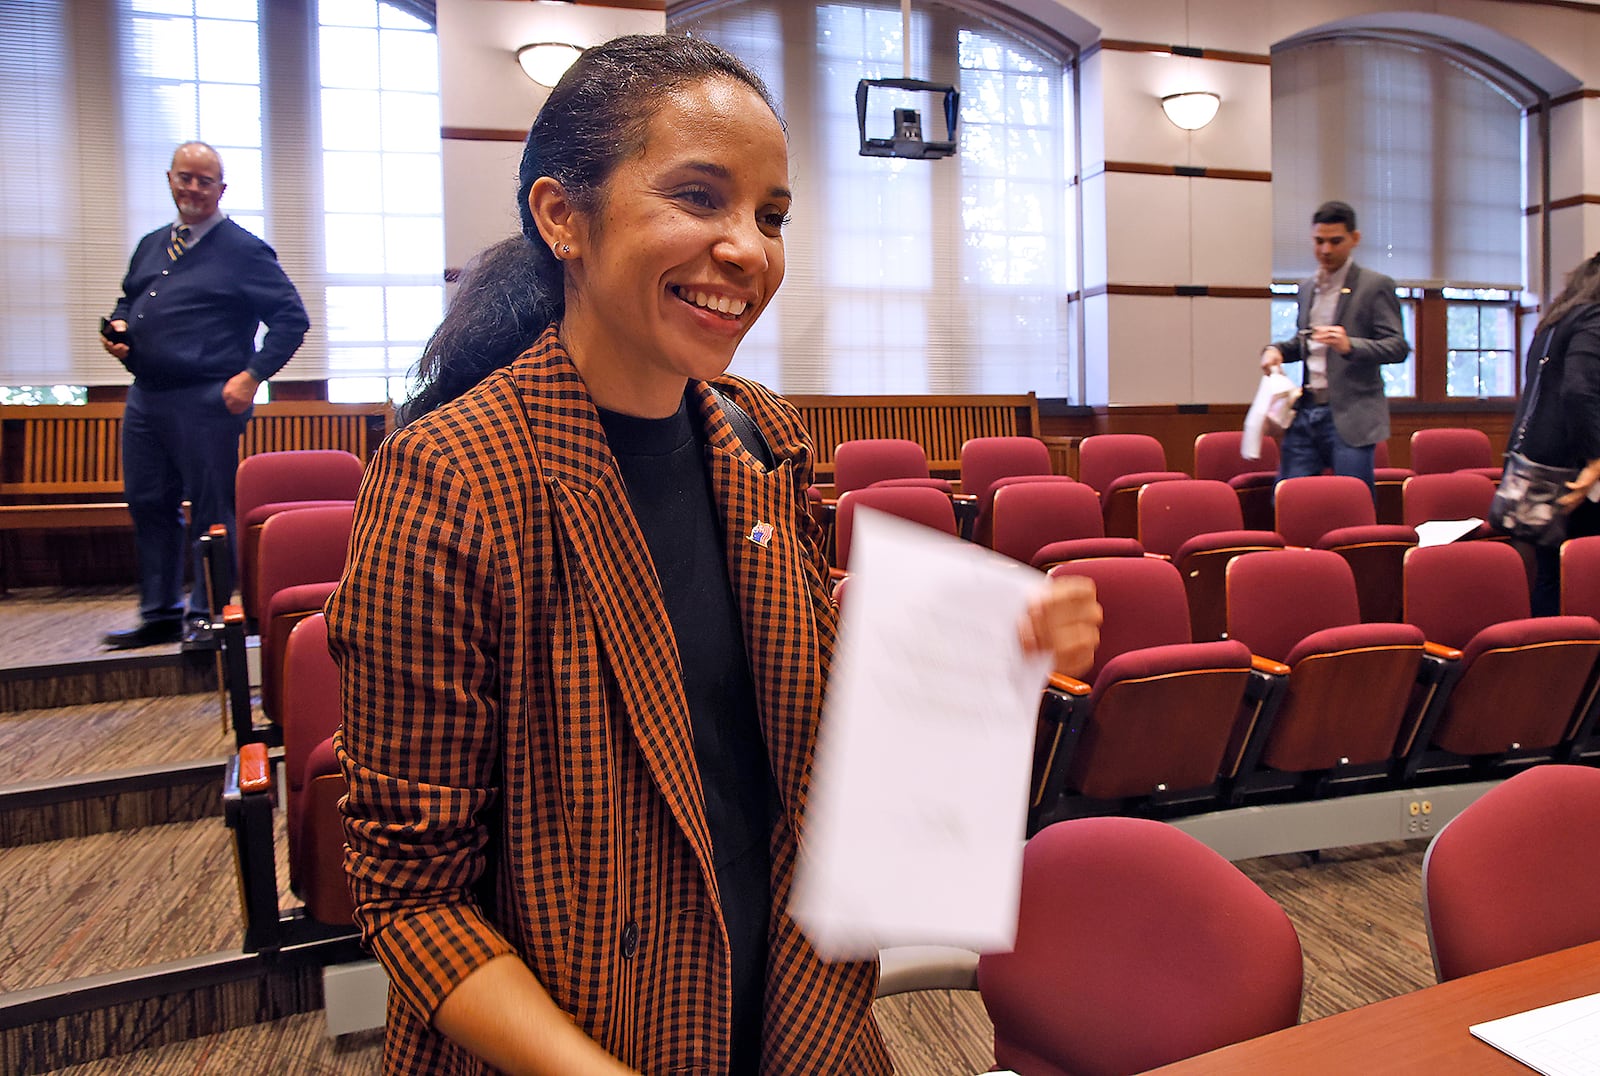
{"x": 1445, "y": 531}
{"x": 1273, "y": 403}
{"x": 915, "y": 822}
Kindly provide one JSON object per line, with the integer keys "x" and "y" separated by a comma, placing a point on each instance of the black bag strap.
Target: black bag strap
{"x": 1532, "y": 394}
{"x": 744, "y": 429}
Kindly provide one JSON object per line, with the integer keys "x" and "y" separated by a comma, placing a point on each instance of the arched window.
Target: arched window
{"x": 1429, "y": 151}
{"x": 910, "y": 276}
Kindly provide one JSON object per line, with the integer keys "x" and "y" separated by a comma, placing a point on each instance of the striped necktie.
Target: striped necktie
{"x": 179, "y": 242}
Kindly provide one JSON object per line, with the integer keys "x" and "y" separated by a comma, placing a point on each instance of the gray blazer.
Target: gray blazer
{"x": 1370, "y": 314}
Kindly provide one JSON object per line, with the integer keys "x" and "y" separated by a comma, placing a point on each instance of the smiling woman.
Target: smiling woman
{"x": 575, "y": 781}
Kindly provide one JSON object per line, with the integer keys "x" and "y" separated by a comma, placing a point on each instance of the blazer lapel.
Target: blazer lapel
{"x": 767, "y": 569}
{"x": 1346, "y": 293}
{"x": 611, "y": 562}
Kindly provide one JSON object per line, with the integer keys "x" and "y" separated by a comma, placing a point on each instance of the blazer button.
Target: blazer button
{"x": 630, "y": 940}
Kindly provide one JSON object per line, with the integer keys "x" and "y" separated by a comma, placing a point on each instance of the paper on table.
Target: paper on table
{"x": 915, "y": 821}
{"x": 1557, "y": 1040}
{"x": 1445, "y": 531}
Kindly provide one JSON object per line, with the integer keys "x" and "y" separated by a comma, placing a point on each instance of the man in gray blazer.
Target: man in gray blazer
{"x": 1349, "y": 326}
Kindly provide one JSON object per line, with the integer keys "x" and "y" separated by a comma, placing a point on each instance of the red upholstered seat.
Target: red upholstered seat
{"x": 1197, "y": 524}
{"x": 1521, "y": 679}
{"x": 919, "y": 504}
{"x": 1117, "y": 466}
{"x": 302, "y": 555}
{"x": 1299, "y": 607}
{"x": 1580, "y": 576}
{"x": 1162, "y": 709}
{"x": 1136, "y": 946}
{"x": 1452, "y": 448}
{"x": 986, "y": 460}
{"x": 1515, "y": 874}
{"x": 271, "y": 482}
{"x": 1337, "y": 512}
{"x": 1043, "y": 523}
{"x": 858, "y": 464}
{"x": 310, "y": 714}
{"x": 1448, "y": 495}
{"x": 1216, "y": 457}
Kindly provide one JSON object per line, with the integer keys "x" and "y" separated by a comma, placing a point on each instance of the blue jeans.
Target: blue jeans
{"x": 1312, "y": 445}
{"x": 177, "y": 444}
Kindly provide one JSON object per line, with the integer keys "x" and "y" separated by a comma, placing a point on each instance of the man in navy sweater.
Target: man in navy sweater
{"x": 185, "y": 327}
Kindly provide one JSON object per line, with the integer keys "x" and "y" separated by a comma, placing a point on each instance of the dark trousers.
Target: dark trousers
{"x": 1312, "y": 444}
{"x": 178, "y": 444}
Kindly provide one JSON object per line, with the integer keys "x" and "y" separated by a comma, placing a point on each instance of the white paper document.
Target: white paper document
{"x": 1557, "y": 1040}
{"x": 1273, "y": 403}
{"x": 1445, "y": 531}
{"x": 914, "y": 827}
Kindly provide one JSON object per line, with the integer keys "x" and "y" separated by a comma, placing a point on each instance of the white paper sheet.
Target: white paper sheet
{"x": 1445, "y": 531}
{"x": 1273, "y": 396}
{"x": 1557, "y": 1040}
{"x": 914, "y": 828}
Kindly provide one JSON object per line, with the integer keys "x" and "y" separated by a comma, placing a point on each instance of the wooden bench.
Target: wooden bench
{"x": 61, "y": 465}
{"x": 940, "y": 424}
{"x": 58, "y": 452}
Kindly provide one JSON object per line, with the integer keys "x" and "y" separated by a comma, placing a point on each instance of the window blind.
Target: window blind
{"x": 1428, "y": 152}
{"x": 909, "y": 276}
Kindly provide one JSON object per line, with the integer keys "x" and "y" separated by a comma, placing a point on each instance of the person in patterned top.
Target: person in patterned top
{"x": 585, "y": 628}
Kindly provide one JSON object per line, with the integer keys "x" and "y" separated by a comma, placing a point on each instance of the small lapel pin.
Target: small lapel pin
{"x": 1344, "y": 291}
{"x": 761, "y": 534}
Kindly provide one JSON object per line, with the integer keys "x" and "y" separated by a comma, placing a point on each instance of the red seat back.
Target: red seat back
{"x": 1029, "y": 515}
{"x": 1171, "y": 513}
{"x": 1216, "y": 456}
{"x": 1309, "y": 507}
{"x": 1450, "y": 448}
{"x": 304, "y": 545}
{"x": 1136, "y": 946}
{"x": 984, "y": 459}
{"x": 1514, "y": 875}
{"x": 1450, "y": 495}
{"x": 857, "y": 464}
{"x": 1580, "y": 576}
{"x": 300, "y": 475}
{"x": 1105, "y": 457}
{"x": 1278, "y": 598}
{"x": 310, "y": 715}
{"x": 919, "y": 504}
{"x": 1144, "y": 604}
{"x": 1452, "y": 592}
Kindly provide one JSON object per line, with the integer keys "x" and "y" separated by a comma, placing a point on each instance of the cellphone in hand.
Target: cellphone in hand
{"x": 116, "y": 336}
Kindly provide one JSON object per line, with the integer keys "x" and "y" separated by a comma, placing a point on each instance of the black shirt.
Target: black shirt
{"x": 663, "y": 464}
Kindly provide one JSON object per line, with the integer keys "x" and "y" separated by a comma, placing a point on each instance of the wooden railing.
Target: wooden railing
{"x": 53, "y": 452}
{"x": 940, "y": 424}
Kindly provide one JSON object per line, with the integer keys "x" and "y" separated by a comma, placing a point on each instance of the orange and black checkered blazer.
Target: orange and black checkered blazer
{"x": 518, "y": 749}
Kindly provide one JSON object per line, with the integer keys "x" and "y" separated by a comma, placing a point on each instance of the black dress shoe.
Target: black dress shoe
{"x": 199, "y": 635}
{"x": 150, "y": 633}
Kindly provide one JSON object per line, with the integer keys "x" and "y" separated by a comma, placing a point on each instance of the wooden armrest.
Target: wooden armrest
{"x": 1069, "y": 686}
{"x": 233, "y": 614}
{"x": 1267, "y": 665}
{"x": 1439, "y": 650}
{"x": 255, "y": 769}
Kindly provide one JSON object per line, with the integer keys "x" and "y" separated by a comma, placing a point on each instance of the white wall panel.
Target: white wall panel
{"x": 1147, "y": 221}
{"x": 1228, "y": 335}
{"x": 1231, "y": 232}
{"x": 1149, "y": 349}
